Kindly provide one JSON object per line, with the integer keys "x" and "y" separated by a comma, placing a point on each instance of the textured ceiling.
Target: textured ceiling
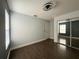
{"x": 35, "y": 7}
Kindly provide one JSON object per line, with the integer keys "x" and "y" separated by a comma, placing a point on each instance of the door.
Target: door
{"x": 75, "y": 32}
{"x": 64, "y": 32}
{"x": 69, "y": 32}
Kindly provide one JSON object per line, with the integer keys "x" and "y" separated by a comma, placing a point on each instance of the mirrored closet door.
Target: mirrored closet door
{"x": 64, "y": 32}
{"x": 75, "y": 32}
{"x": 68, "y": 33}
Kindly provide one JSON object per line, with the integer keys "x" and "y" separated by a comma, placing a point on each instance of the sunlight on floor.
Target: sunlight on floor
{"x": 63, "y": 41}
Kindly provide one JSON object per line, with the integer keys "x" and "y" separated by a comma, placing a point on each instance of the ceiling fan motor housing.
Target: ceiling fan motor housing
{"x": 50, "y": 5}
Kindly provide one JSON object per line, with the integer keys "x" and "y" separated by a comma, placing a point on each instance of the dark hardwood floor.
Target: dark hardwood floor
{"x": 45, "y": 50}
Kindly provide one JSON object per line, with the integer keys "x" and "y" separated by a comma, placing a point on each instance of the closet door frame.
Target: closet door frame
{"x": 70, "y": 20}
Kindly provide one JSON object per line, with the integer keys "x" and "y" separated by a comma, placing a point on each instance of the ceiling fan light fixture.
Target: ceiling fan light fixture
{"x": 49, "y": 5}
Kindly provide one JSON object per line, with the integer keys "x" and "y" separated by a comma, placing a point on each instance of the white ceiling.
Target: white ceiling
{"x": 35, "y": 7}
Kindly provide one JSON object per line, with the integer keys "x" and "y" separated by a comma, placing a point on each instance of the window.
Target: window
{"x": 7, "y": 40}
{"x": 62, "y": 28}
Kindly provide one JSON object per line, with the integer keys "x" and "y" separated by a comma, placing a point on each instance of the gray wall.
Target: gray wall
{"x": 2, "y": 31}
{"x": 26, "y": 29}
{"x": 2, "y": 35}
{"x": 52, "y": 29}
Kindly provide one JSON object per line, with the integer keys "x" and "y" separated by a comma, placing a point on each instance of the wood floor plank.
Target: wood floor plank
{"x": 45, "y": 50}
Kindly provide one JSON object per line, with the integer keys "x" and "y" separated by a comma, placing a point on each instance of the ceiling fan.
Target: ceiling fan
{"x": 49, "y": 5}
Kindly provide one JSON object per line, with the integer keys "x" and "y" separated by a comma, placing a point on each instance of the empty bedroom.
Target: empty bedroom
{"x": 39, "y": 29}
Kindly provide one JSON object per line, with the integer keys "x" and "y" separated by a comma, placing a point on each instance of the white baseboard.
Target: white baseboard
{"x": 20, "y": 46}
{"x": 51, "y": 38}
